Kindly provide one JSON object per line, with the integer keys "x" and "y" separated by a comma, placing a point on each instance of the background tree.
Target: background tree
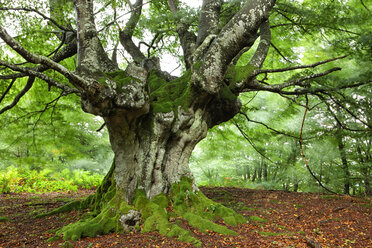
{"x": 155, "y": 119}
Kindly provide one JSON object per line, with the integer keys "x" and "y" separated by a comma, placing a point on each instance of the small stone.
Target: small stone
{"x": 130, "y": 220}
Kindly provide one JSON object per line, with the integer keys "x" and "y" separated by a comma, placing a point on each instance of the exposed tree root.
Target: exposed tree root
{"x": 112, "y": 214}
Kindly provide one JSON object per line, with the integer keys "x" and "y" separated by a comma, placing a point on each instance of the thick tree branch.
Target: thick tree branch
{"x": 92, "y": 58}
{"x": 66, "y": 52}
{"x": 126, "y": 34}
{"x": 30, "y": 72}
{"x": 187, "y": 38}
{"x": 39, "y": 59}
{"x": 248, "y": 46}
{"x": 208, "y": 19}
{"x": 263, "y": 47}
{"x": 231, "y": 40}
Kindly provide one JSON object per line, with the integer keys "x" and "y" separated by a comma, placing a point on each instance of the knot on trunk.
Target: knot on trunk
{"x": 130, "y": 220}
{"x": 133, "y": 95}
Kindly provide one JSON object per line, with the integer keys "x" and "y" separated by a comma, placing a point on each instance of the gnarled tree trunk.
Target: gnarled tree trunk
{"x": 152, "y": 152}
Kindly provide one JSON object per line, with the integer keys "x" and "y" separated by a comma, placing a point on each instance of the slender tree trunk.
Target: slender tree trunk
{"x": 265, "y": 171}
{"x": 247, "y": 173}
{"x": 345, "y": 166}
{"x": 260, "y": 171}
{"x": 254, "y": 174}
{"x": 365, "y": 170}
{"x": 295, "y": 187}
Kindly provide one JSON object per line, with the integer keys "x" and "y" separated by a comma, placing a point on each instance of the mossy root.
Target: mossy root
{"x": 182, "y": 202}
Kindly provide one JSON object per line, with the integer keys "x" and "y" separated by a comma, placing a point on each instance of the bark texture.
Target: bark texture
{"x": 152, "y": 152}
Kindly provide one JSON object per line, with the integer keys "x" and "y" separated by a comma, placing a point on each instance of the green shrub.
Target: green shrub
{"x": 14, "y": 179}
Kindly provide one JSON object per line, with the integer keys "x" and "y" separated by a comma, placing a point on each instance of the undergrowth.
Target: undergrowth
{"x": 18, "y": 180}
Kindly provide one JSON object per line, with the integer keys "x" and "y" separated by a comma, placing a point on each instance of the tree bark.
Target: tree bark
{"x": 152, "y": 152}
{"x": 345, "y": 165}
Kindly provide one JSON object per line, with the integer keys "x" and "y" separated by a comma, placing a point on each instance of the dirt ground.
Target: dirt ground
{"x": 275, "y": 219}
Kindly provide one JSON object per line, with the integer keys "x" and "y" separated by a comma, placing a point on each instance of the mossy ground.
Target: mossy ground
{"x": 3, "y": 218}
{"x": 182, "y": 202}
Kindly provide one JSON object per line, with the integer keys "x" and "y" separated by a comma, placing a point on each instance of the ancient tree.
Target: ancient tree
{"x": 154, "y": 119}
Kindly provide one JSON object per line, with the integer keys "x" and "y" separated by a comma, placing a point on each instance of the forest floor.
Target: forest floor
{"x": 275, "y": 219}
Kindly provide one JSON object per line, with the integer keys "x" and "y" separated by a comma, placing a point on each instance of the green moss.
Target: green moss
{"x": 331, "y": 197}
{"x": 67, "y": 244}
{"x": 227, "y": 94}
{"x": 105, "y": 222}
{"x": 3, "y": 219}
{"x": 120, "y": 77}
{"x": 197, "y": 65}
{"x": 255, "y": 219}
{"x": 52, "y": 239}
{"x": 204, "y": 225}
{"x": 236, "y": 74}
{"x": 269, "y": 233}
{"x": 169, "y": 96}
{"x": 161, "y": 200}
{"x": 185, "y": 201}
{"x": 194, "y": 207}
{"x": 156, "y": 218}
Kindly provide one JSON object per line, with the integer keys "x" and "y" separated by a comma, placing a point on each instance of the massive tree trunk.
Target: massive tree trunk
{"x": 153, "y": 151}
{"x": 152, "y": 136}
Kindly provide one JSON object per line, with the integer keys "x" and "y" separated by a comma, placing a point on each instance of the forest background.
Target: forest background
{"x": 47, "y": 143}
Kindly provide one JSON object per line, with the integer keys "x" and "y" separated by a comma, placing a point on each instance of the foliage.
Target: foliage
{"x": 15, "y": 179}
